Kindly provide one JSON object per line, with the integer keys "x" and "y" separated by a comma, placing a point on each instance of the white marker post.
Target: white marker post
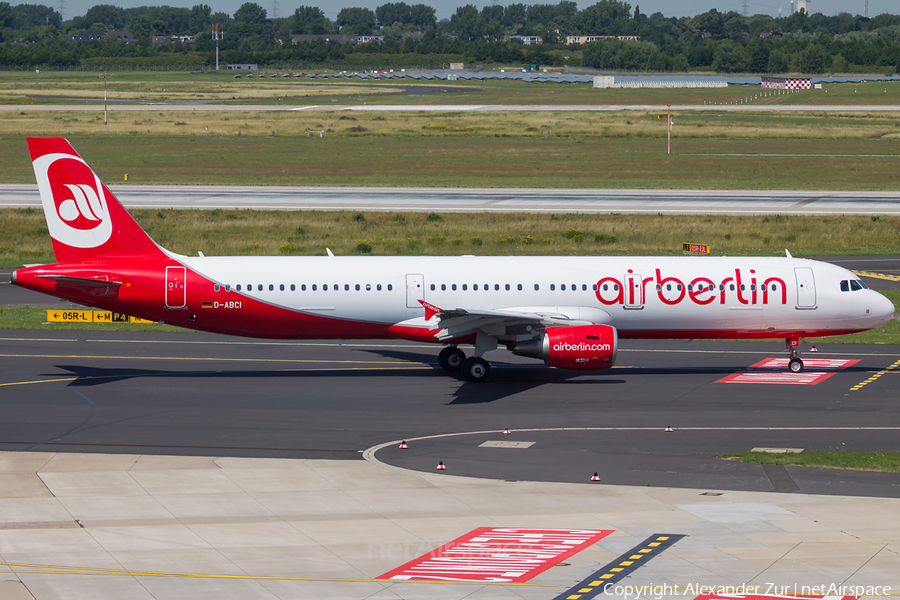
{"x": 104, "y": 77}
{"x": 669, "y": 126}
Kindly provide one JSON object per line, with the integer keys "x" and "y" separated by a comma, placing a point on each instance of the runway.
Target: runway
{"x": 596, "y": 201}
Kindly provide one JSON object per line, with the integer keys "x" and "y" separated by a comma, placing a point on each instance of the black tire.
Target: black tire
{"x": 451, "y": 359}
{"x": 476, "y": 369}
{"x": 796, "y": 365}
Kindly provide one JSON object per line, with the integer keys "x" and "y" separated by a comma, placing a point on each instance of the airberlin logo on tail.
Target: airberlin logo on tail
{"x": 74, "y": 201}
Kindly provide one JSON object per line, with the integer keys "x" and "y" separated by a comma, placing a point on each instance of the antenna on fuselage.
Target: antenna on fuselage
{"x": 788, "y": 253}
{"x": 328, "y": 250}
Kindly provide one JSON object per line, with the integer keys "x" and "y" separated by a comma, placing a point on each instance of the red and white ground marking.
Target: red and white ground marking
{"x": 497, "y": 554}
{"x": 826, "y": 364}
{"x": 783, "y": 592}
{"x": 774, "y": 371}
{"x": 804, "y": 378}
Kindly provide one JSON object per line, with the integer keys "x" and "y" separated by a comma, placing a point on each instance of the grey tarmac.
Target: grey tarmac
{"x": 499, "y": 200}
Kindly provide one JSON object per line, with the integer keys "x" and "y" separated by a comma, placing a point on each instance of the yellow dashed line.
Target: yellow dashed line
{"x": 866, "y": 382}
{"x": 61, "y": 570}
{"x": 874, "y": 275}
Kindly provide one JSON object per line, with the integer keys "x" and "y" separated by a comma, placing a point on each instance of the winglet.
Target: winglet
{"x": 430, "y": 309}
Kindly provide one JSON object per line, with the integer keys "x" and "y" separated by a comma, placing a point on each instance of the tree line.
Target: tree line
{"x": 32, "y": 35}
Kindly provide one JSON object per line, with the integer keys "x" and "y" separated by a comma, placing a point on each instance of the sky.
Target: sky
{"x": 445, "y": 8}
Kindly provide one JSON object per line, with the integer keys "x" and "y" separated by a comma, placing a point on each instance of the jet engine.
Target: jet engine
{"x": 581, "y": 348}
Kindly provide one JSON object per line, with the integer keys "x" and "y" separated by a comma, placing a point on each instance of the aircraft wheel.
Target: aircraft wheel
{"x": 451, "y": 358}
{"x": 476, "y": 369}
{"x": 796, "y": 365}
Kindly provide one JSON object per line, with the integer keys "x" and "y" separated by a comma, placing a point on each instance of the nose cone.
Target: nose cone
{"x": 882, "y": 310}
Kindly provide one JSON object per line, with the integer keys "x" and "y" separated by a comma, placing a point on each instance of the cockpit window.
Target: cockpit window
{"x": 855, "y": 285}
{"x": 845, "y": 286}
{"x": 863, "y": 284}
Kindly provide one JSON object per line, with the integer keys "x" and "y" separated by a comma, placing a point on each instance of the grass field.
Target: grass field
{"x": 858, "y": 461}
{"x": 24, "y": 238}
{"x": 474, "y": 161}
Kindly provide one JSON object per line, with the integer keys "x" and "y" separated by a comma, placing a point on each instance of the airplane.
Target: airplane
{"x": 569, "y": 312}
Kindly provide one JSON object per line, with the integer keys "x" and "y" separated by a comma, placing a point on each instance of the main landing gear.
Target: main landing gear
{"x": 793, "y": 346}
{"x": 474, "y": 368}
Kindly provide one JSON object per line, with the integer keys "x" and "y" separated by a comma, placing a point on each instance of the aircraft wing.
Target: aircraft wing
{"x": 460, "y": 322}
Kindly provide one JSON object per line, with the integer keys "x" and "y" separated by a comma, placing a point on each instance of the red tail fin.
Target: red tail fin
{"x": 85, "y": 220}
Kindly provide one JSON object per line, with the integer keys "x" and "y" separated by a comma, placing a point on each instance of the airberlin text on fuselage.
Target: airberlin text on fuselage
{"x": 749, "y": 289}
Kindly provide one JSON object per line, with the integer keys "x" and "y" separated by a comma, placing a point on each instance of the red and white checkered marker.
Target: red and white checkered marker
{"x": 668, "y": 429}
{"x": 403, "y": 445}
{"x": 595, "y": 477}
{"x": 441, "y": 466}
{"x": 506, "y": 432}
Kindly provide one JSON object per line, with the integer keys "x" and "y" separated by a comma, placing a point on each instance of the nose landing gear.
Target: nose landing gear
{"x": 793, "y": 346}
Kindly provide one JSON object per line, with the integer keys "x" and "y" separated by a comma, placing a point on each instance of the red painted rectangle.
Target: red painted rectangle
{"x": 808, "y": 363}
{"x": 498, "y": 554}
{"x": 778, "y": 378}
{"x": 778, "y": 593}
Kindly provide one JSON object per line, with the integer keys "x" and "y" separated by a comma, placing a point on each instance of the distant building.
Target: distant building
{"x": 340, "y": 38}
{"x": 583, "y": 39}
{"x": 248, "y": 66}
{"x": 414, "y": 35}
{"x": 528, "y": 40}
{"x": 160, "y": 39}
{"x": 92, "y": 35}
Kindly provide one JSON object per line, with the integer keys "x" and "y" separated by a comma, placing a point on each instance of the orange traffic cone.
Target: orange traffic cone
{"x": 441, "y": 466}
{"x": 403, "y": 445}
{"x": 595, "y": 477}
{"x": 668, "y": 429}
{"x": 506, "y": 432}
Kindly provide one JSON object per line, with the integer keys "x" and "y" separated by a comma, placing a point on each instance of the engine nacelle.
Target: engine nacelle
{"x": 581, "y": 348}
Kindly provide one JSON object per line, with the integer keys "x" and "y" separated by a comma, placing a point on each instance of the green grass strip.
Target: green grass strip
{"x": 887, "y": 462}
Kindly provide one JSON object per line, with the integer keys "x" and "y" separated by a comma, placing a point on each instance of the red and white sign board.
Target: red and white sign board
{"x": 498, "y": 554}
{"x": 788, "y": 378}
{"x": 828, "y": 364}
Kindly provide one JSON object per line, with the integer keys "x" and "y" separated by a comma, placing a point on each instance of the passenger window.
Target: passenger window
{"x": 854, "y": 285}
{"x": 690, "y": 287}
{"x": 432, "y": 287}
{"x": 615, "y": 287}
{"x": 390, "y": 286}
{"x": 752, "y": 287}
{"x": 293, "y": 287}
{"x": 519, "y": 286}
{"x": 313, "y": 287}
{"x": 453, "y": 287}
{"x": 743, "y": 287}
{"x": 216, "y": 287}
{"x": 465, "y": 286}
{"x": 368, "y": 287}
{"x": 259, "y": 287}
{"x": 302, "y": 287}
{"x": 658, "y": 287}
{"x": 537, "y": 287}
{"x": 721, "y": 287}
{"x": 668, "y": 287}
{"x": 497, "y": 287}
{"x": 594, "y": 287}
{"x": 574, "y": 287}
{"x": 507, "y": 287}
{"x": 474, "y": 287}
{"x": 443, "y": 287}
{"x": 731, "y": 287}
{"x": 678, "y": 287}
{"x": 281, "y": 287}
{"x": 238, "y": 288}
{"x": 562, "y": 287}
{"x": 583, "y": 287}
{"x": 356, "y": 287}
{"x": 552, "y": 287}
{"x": 378, "y": 287}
